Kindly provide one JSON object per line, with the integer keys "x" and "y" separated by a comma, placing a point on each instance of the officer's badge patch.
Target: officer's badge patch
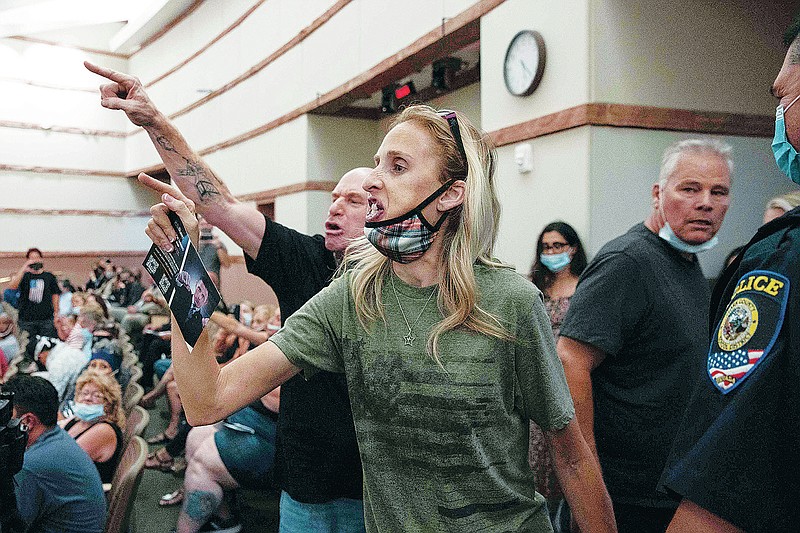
{"x": 748, "y": 328}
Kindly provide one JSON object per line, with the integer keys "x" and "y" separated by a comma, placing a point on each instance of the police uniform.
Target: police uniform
{"x": 738, "y": 452}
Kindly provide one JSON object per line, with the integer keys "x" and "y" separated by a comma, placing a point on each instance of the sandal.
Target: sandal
{"x": 179, "y": 465}
{"x": 157, "y": 460}
{"x": 161, "y": 438}
{"x": 173, "y": 498}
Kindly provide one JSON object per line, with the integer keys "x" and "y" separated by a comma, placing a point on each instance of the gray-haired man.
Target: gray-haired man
{"x": 635, "y": 334}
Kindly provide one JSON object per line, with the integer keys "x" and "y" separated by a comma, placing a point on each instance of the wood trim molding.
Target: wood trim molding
{"x": 163, "y": 31}
{"x": 89, "y": 253}
{"x": 35, "y": 40}
{"x": 208, "y": 45}
{"x": 269, "y": 195}
{"x": 454, "y": 34}
{"x": 633, "y": 116}
{"x": 458, "y": 32}
{"x": 62, "y": 129}
{"x": 74, "y": 212}
{"x": 63, "y": 171}
{"x": 42, "y": 85}
{"x": 177, "y": 20}
{"x": 294, "y": 41}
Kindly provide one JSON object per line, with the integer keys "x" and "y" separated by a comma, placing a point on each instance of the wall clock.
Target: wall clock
{"x": 524, "y": 63}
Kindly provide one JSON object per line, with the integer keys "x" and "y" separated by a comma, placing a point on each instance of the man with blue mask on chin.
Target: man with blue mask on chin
{"x": 58, "y": 489}
{"x": 635, "y": 333}
{"x": 734, "y": 463}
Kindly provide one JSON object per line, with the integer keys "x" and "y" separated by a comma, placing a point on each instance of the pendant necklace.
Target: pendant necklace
{"x": 408, "y": 339}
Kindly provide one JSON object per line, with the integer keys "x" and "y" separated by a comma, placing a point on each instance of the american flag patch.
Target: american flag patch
{"x": 726, "y": 368}
{"x": 748, "y": 329}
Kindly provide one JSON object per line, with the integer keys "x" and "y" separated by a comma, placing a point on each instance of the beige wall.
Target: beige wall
{"x": 565, "y": 82}
{"x": 556, "y": 189}
{"x": 688, "y": 54}
{"x": 708, "y": 56}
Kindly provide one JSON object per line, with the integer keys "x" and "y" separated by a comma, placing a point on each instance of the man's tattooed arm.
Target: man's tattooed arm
{"x": 206, "y": 184}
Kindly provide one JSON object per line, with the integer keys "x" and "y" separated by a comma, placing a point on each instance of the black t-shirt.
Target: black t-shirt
{"x": 316, "y": 457}
{"x": 36, "y": 296}
{"x": 646, "y": 306}
{"x": 737, "y": 452}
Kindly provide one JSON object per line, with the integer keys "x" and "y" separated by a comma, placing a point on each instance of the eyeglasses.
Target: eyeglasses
{"x": 556, "y": 247}
{"x": 94, "y": 396}
{"x": 452, "y": 121}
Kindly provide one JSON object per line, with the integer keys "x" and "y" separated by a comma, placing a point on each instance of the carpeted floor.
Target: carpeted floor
{"x": 259, "y": 509}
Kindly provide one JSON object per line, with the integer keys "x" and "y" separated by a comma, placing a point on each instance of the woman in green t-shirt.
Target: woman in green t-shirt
{"x": 442, "y": 388}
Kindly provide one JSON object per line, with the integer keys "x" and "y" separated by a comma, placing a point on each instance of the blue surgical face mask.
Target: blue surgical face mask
{"x": 668, "y": 235}
{"x": 88, "y": 412}
{"x": 555, "y": 262}
{"x": 785, "y": 154}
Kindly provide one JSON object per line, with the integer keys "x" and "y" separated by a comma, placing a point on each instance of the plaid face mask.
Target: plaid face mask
{"x": 405, "y": 238}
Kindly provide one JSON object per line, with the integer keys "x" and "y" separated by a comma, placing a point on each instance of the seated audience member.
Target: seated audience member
{"x": 58, "y": 488}
{"x": 65, "y": 299}
{"x": 103, "y": 278}
{"x": 11, "y": 296}
{"x": 139, "y": 314}
{"x": 3, "y": 365}
{"x": 97, "y": 275}
{"x": 100, "y": 301}
{"x": 65, "y": 324}
{"x": 78, "y": 300}
{"x": 239, "y": 452}
{"x": 63, "y": 364}
{"x": 225, "y": 346}
{"x": 245, "y": 312}
{"x": 153, "y": 346}
{"x": 8, "y": 340}
{"x": 98, "y": 421}
{"x": 106, "y": 358}
{"x": 248, "y": 335}
{"x": 89, "y": 317}
{"x": 779, "y": 205}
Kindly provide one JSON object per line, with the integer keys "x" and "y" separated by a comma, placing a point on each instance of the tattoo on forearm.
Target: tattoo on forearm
{"x": 165, "y": 144}
{"x": 193, "y": 169}
{"x": 199, "y": 505}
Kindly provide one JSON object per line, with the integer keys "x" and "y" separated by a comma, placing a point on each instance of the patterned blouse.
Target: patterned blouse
{"x": 538, "y": 453}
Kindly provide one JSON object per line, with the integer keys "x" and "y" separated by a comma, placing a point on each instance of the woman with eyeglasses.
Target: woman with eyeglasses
{"x": 447, "y": 352}
{"x": 98, "y": 420}
{"x": 559, "y": 262}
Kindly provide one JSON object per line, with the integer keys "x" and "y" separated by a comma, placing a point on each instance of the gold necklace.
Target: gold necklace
{"x": 408, "y": 339}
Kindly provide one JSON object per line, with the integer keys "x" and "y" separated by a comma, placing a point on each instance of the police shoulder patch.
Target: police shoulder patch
{"x": 748, "y": 328}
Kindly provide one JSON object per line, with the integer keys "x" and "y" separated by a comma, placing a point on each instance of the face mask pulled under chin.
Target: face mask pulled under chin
{"x": 673, "y": 240}
{"x": 406, "y": 238}
{"x": 786, "y": 157}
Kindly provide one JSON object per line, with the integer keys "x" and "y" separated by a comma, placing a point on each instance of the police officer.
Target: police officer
{"x": 735, "y": 462}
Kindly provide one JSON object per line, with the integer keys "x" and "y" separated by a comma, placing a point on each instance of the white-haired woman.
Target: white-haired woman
{"x": 448, "y": 353}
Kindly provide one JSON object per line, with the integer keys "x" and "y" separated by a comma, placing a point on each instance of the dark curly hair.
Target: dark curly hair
{"x": 540, "y": 275}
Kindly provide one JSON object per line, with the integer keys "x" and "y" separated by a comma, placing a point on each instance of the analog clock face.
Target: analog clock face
{"x": 524, "y": 63}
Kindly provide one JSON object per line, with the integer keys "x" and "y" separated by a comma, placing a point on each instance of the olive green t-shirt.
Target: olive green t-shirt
{"x": 442, "y": 450}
